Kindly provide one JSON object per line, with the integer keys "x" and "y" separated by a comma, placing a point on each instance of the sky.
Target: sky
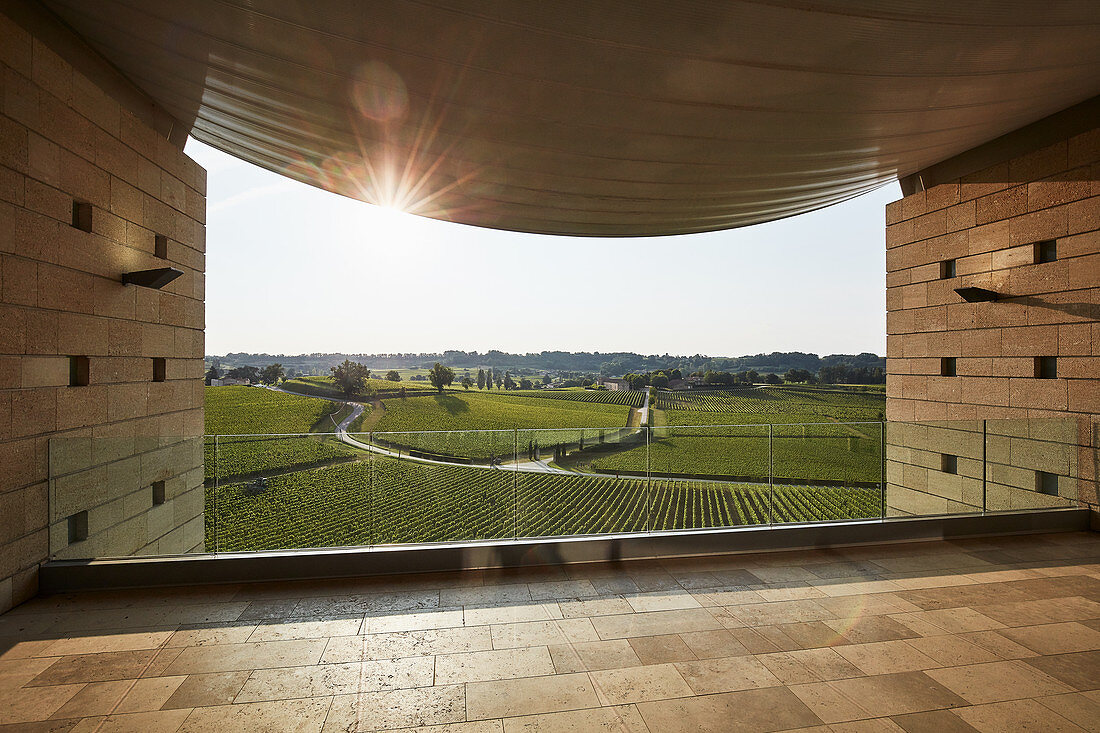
{"x": 292, "y": 269}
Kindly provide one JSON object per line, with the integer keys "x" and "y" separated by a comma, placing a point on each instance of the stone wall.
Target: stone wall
{"x": 90, "y": 190}
{"x": 1028, "y": 364}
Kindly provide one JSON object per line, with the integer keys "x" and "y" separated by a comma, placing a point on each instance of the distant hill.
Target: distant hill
{"x": 565, "y": 362}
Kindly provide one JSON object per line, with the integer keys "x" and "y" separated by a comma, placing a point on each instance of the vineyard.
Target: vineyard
{"x": 326, "y": 387}
{"x": 603, "y": 396}
{"x": 397, "y": 501}
{"x": 848, "y": 453}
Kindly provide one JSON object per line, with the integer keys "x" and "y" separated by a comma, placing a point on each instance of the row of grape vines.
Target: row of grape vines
{"x": 629, "y": 398}
{"x": 397, "y": 501}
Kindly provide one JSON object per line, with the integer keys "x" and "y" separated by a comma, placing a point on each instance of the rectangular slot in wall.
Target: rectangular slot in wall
{"x": 160, "y": 369}
{"x": 79, "y": 371}
{"x": 160, "y": 246}
{"x": 1046, "y": 251}
{"x": 947, "y": 269}
{"x": 82, "y": 216}
{"x": 1046, "y": 367}
{"x": 158, "y": 493}
{"x": 949, "y": 463}
{"x": 78, "y": 527}
{"x": 1046, "y": 483}
{"x": 948, "y": 367}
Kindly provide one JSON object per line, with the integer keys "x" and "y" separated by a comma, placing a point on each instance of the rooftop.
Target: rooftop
{"x": 986, "y": 634}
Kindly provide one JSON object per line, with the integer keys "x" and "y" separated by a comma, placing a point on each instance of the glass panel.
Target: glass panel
{"x": 442, "y": 486}
{"x": 105, "y": 496}
{"x": 917, "y": 484}
{"x": 1032, "y": 464}
{"x": 709, "y": 476}
{"x": 273, "y": 492}
{"x": 827, "y": 471}
{"x": 563, "y": 490}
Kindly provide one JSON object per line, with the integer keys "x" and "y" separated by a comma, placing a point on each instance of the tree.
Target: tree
{"x": 773, "y": 379}
{"x": 212, "y": 373}
{"x": 393, "y": 376}
{"x": 797, "y": 375}
{"x": 350, "y": 377}
{"x": 441, "y": 376}
{"x": 509, "y": 383}
{"x": 636, "y": 381}
{"x": 659, "y": 380}
{"x": 498, "y": 379}
{"x": 751, "y": 376}
{"x": 247, "y": 373}
{"x": 525, "y": 383}
{"x": 271, "y": 374}
{"x": 466, "y": 382}
{"x": 546, "y": 379}
{"x": 481, "y": 379}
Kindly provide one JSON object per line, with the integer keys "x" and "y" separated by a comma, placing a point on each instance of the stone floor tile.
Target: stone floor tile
{"x": 249, "y": 655}
{"x": 872, "y": 725}
{"x": 789, "y": 592}
{"x": 897, "y": 694}
{"x": 95, "y": 668}
{"x": 562, "y": 590}
{"x": 763, "y": 639}
{"x": 1043, "y": 611}
{"x": 511, "y": 613}
{"x": 293, "y": 716}
{"x": 734, "y": 596}
{"x": 96, "y": 698}
{"x": 528, "y": 696}
{"x": 610, "y": 654}
{"x": 594, "y": 607}
{"x": 811, "y": 634}
{"x": 473, "y": 726}
{"x": 406, "y": 708}
{"x": 1015, "y": 715}
{"x": 730, "y": 674}
{"x": 95, "y": 644}
{"x": 886, "y": 657}
{"x": 486, "y": 595}
{"x": 290, "y": 630}
{"x": 781, "y": 612}
{"x": 143, "y": 722}
{"x": 541, "y": 633}
{"x": 149, "y": 694}
{"x": 809, "y": 665}
{"x": 209, "y": 634}
{"x": 311, "y": 681}
{"x": 615, "y": 719}
{"x": 1080, "y": 670}
{"x": 1060, "y": 638}
{"x": 451, "y": 669}
{"x": 842, "y": 587}
{"x": 565, "y": 659}
{"x": 845, "y": 569}
{"x": 866, "y": 629}
{"x": 15, "y": 673}
{"x": 1076, "y": 707}
{"x": 47, "y": 726}
{"x": 997, "y": 681}
{"x": 661, "y": 649}
{"x": 356, "y": 605}
{"x": 409, "y": 643}
{"x": 34, "y": 703}
{"x": 636, "y": 684}
{"x": 827, "y": 704}
{"x": 435, "y": 618}
{"x": 670, "y": 600}
{"x": 951, "y": 651}
{"x": 653, "y": 623}
{"x": 202, "y": 690}
{"x": 933, "y": 721}
{"x": 784, "y": 574}
{"x": 756, "y": 711}
{"x": 996, "y": 643}
{"x": 709, "y": 644}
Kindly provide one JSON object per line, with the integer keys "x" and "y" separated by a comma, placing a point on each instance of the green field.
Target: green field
{"x": 326, "y": 387}
{"x": 392, "y": 501}
{"x": 254, "y": 411}
{"x": 769, "y": 405}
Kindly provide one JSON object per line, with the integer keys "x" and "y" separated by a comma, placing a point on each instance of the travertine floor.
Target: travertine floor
{"x": 995, "y": 634}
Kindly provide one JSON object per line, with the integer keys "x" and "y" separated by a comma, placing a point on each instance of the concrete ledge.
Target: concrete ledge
{"x": 142, "y": 572}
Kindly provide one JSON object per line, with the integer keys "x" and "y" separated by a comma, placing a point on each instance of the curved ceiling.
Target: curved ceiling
{"x": 613, "y": 118}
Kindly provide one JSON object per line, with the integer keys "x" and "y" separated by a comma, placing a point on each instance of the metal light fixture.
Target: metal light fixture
{"x": 155, "y": 279}
{"x": 977, "y": 295}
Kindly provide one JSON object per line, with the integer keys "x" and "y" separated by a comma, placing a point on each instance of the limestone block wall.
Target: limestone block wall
{"x": 1028, "y": 364}
{"x": 98, "y": 456}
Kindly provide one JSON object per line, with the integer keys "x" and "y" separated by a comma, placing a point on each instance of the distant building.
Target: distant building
{"x": 229, "y": 382}
{"x": 616, "y": 384}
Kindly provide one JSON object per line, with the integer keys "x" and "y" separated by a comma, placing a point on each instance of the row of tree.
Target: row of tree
{"x": 270, "y": 374}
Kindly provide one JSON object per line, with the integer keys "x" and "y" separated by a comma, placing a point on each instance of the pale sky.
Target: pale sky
{"x": 292, "y": 269}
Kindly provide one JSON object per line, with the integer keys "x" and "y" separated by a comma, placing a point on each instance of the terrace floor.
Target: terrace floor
{"x": 990, "y": 634}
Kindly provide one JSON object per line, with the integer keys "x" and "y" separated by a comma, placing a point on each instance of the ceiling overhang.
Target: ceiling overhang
{"x": 638, "y": 117}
